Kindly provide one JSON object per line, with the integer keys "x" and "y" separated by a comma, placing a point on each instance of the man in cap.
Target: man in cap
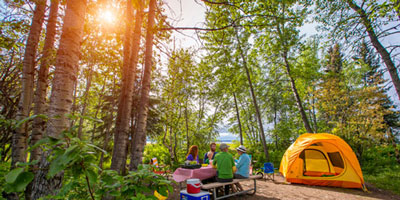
{"x": 243, "y": 165}
{"x": 225, "y": 165}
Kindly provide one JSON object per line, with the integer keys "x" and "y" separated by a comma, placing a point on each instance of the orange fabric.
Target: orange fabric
{"x": 290, "y": 163}
{"x": 332, "y": 183}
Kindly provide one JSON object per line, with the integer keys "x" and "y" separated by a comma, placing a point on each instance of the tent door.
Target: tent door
{"x": 315, "y": 163}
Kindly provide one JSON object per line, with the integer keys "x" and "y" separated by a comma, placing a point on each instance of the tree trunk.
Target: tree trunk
{"x": 99, "y": 105}
{"x": 125, "y": 99}
{"x": 106, "y": 138}
{"x": 85, "y": 99}
{"x": 314, "y": 115}
{"x": 140, "y": 135}
{"x": 187, "y": 128}
{"x": 276, "y": 132}
{"x": 72, "y": 122}
{"x": 110, "y": 121}
{"x": 19, "y": 139}
{"x": 391, "y": 67}
{"x": 238, "y": 118}
{"x": 39, "y": 125}
{"x": 253, "y": 96}
{"x": 65, "y": 76}
{"x": 296, "y": 95}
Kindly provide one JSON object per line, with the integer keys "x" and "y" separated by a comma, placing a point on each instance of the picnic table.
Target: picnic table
{"x": 182, "y": 174}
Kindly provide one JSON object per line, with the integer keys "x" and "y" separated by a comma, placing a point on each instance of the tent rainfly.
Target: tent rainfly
{"x": 322, "y": 159}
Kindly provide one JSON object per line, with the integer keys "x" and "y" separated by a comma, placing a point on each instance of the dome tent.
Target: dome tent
{"x": 322, "y": 159}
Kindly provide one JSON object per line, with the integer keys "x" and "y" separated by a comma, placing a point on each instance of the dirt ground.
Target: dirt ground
{"x": 278, "y": 189}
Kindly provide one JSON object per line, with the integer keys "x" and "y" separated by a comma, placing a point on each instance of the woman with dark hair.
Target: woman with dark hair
{"x": 193, "y": 154}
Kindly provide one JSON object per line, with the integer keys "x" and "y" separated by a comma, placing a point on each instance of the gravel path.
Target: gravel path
{"x": 281, "y": 190}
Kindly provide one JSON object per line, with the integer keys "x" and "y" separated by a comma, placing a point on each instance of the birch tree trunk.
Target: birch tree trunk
{"x": 38, "y": 125}
{"x": 253, "y": 96}
{"x": 391, "y": 67}
{"x": 85, "y": 99}
{"x": 238, "y": 118}
{"x": 140, "y": 133}
{"x": 187, "y": 127}
{"x": 65, "y": 76}
{"x": 125, "y": 99}
{"x": 19, "y": 139}
{"x": 296, "y": 95}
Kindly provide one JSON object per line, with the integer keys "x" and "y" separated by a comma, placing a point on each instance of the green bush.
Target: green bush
{"x": 4, "y": 169}
{"x": 380, "y": 168}
{"x": 388, "y": 179}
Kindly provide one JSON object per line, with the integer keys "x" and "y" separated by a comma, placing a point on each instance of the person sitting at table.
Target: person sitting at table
{"x": 243, "y": 165}
{"x": 210, "y": 154}
{"x": 193, "y": 154}
{"x": 225, "y": 166}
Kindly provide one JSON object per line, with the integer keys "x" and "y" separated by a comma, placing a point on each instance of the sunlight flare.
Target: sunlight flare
{"x": 107, "y": 16}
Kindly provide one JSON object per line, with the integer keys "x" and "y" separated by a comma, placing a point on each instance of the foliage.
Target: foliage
{"x": 194, "y": 92}
{"x": 4, "y": 169}
{"x": 380, "y": 168}
{"x": 18, "y": 178}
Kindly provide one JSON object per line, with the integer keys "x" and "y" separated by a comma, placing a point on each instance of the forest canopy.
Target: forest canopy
{"x": 93, "y": 89}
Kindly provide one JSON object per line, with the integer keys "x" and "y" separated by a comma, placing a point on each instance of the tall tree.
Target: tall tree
{"x": 253, "y": 96}
{"x": 238, "y": 118}
{"x": 19, "y": 141}
{"x": 38, "y": 125}
{"x": 347, "y": 19}
{"x": 387, "y": 59}
{"x": 125, "y": 99}
{"x": 39, "y": 100}
{"x": 139, "y": 141}
{"x": 65, "y": 76}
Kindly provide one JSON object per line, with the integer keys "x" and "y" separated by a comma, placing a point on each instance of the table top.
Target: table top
{"x": 202, "y": 173}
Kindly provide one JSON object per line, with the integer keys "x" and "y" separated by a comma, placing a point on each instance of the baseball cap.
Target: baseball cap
{"x": 223, "y": 146}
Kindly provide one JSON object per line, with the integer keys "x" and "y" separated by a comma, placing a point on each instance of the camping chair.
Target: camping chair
{"x": 159, "y": 169}
{"x": 268, "y": 169}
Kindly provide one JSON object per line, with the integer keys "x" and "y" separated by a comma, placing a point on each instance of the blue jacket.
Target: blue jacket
{"x": 243, "y": 165}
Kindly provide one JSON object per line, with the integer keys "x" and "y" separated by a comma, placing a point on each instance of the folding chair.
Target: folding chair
{"x": 268, "y": 169}
{"x": 159, "y": 169}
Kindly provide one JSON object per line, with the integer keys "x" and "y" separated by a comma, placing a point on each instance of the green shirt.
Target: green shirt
{"x": 224, "y": 162}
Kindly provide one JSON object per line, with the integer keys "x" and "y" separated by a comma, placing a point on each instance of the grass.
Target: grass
{"x": 387, "y": 180}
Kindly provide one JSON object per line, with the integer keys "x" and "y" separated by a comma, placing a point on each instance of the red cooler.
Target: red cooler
{"x": 193, "y": 185}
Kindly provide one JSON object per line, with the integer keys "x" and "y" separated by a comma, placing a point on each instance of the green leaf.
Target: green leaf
{"x": 115, "y": 193}
{"x": 61, "y": 162}
{"x": 92, "y": 176}
{"x": 98, "y": 148}
{"x": 23, "y": 180}
{"x": 24, "y": 164}
{"x": 39, "y": 143}
{"x": 13, "y": 175}
{"x": 163, "y": 191}
{"x": 65, "y": 189}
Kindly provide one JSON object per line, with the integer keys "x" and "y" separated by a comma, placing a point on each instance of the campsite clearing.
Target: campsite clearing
{"x": 281, "y": 190}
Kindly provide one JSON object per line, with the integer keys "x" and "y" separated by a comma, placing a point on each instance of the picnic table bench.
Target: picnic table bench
{"x": 212, "y": 187}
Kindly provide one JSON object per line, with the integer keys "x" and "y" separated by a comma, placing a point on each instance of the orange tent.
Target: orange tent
{"x": 322, "y": 159}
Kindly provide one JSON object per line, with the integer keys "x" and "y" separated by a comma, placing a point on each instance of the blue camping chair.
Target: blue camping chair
{"x": 268, "y": 169}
